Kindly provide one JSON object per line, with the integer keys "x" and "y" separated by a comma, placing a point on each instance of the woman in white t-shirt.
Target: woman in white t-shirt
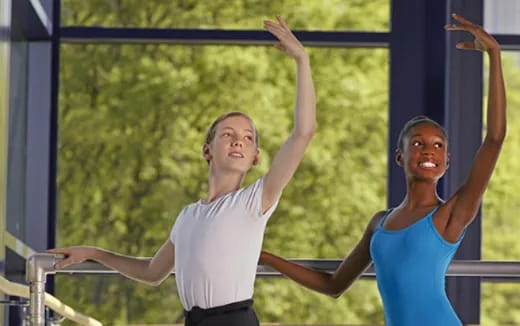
{"x": 215, "y": 242}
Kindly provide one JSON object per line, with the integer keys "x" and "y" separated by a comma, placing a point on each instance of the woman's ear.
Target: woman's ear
{"x": 206, "y": 153}
{"x": 398, "y": 157}
{"x": 256, "y": 159}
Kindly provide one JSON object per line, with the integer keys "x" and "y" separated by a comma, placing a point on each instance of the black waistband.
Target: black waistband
{"x": 197, "y": 314}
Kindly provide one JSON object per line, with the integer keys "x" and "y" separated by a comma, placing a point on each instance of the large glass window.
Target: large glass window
{"x": 334, "y": 15}
{"x": 500, "y": 304}
{"x": 132, "y": 120}
{"x": 502, "y": 17}
{"x": 502, "y": 199}
{"x": 501, "y": 205}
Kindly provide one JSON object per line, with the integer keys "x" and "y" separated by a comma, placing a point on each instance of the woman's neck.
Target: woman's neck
{"x": 421, "y": 194}
{"x": 222, "y": 183}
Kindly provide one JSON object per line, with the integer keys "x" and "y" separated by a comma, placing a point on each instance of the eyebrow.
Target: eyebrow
{"x": 420, "y": 135}
{"x": 248, "y": 130}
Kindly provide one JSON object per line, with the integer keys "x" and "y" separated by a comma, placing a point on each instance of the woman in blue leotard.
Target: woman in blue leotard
{"x": 411, "y": 245}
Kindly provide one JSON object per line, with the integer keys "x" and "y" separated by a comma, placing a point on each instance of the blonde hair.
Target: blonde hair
{"x": 212, "y": 130}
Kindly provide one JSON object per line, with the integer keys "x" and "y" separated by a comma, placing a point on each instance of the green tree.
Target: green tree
{"x": 132, "y": 119}
{"x": 501, "y": 302}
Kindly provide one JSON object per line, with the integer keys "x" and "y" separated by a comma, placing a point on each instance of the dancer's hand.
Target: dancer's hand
{"x": 483, "y": 41}
{"x": 288, "y": 43}
{"x": 73, "y": 255}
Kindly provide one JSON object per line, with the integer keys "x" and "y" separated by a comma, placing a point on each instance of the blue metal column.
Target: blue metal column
{"x": 464, "y": 123}
{"x": 417, "y": 74}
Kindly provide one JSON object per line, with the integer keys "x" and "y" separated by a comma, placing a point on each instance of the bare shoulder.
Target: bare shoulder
{"x": 448, "y": 227}
{"x": 443, "y": 213}
{"x": 374, "y": 221}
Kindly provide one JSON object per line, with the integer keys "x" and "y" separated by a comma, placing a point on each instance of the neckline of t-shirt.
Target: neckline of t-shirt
{"x": 202, "y": 203}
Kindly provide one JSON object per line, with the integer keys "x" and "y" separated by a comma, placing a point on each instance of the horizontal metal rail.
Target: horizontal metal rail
{"x": 471, "y": 268}
{"x": 41, "y": 265}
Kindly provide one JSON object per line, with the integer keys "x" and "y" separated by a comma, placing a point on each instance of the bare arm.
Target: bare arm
{"x": 152, "y": 272}
{"x": 466, "y": 200}
{"x": 290, "y": 154}
{"x": 334, "y": 284}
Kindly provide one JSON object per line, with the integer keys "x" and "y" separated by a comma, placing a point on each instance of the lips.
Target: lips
{"x": 428, "y": 164}
{"x": 236, "y": 155}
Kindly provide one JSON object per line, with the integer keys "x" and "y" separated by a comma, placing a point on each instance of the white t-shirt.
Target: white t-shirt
{"x": 217, "y": 247}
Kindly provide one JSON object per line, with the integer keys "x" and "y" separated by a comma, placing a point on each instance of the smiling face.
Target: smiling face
{"x": 234, "y": 146}
{"x": 424, "y": 152}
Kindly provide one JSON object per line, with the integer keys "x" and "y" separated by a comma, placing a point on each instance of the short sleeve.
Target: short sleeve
{"x": 172, "y": 233}
{"x": 175, "y": 226}
{"x": 253, "y": 199}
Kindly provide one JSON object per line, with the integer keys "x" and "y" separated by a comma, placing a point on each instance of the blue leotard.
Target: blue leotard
{"x": 410, "y": 267}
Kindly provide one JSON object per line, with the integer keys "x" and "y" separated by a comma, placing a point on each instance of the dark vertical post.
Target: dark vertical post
{"x": 464, "y": 122}
{"x": 417, "y": 74}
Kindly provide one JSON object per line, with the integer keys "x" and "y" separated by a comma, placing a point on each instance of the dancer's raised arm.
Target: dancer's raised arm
{"x": 290, "y": 154}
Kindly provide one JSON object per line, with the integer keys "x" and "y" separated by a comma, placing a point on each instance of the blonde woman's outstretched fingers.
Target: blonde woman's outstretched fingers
{"x": 288, "y": 43}
{"x": 73, "y": 255}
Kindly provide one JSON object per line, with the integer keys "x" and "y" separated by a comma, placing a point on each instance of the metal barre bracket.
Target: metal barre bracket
{"x": 37, "y": 268}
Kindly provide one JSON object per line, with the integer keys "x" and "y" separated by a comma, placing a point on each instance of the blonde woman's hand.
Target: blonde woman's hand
{"x": 73, "y": 255}
{"x": 288, "y": 43}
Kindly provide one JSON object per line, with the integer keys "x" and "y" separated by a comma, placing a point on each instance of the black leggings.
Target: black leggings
{"x": 233, "y": 314}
